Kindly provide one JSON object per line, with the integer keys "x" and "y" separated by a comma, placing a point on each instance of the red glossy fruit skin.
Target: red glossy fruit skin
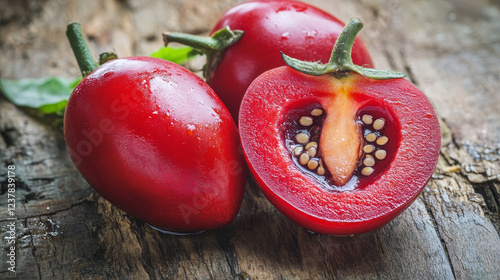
{"x": 298, "y": 195}
{"x": 297, "y": 29}
{"x": 155, "y": 140}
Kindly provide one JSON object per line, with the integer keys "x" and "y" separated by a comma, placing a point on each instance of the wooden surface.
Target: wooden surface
{"x": 449, "y": 49}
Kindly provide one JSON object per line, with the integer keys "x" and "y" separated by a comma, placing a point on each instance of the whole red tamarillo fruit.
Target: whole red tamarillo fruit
{"x": 155, "y": 140}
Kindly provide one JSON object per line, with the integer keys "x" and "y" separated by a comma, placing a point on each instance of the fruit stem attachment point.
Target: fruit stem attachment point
{"x": 212, "y": 46}
{"x": 80, "y": 49}
{"x": 340, "y": 63}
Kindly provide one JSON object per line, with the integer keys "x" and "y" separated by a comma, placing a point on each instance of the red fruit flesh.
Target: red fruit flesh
{"x": 321, "y": 203}
{"x": 155, "y": 140}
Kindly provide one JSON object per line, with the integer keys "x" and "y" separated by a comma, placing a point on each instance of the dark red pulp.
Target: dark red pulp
{"x": 291, "y": 126}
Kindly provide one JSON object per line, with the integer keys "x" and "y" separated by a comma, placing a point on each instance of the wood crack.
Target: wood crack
{"x": 379, "y": 242}
{"x": 408, "y": 69}
{"x": 73, "y": 205}
{"x": 7, "y": 137}
{"x": 491, "y": 206}
{"x": 33, "y": 250}
{"x": 390, "y": 59}
{"x": 222, "y": 239}
{"x": 430, "y": 212}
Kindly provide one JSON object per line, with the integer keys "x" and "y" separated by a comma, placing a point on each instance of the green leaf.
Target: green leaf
{"x": 50, "y": 94}
{"x": 177, "y": 55}
{"x": 57, "y": 108}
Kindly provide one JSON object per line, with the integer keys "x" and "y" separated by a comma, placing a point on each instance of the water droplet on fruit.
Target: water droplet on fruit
{"x": 299, "y": 8}
{"x": 311, "y": 34}
{"x": 281, "y": 9}
{"x": 190, "y": 129}
{"x": 108, "y": 74}
{"x": 285, "y": 36}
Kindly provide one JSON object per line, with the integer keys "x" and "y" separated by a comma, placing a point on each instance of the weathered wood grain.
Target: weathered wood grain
{"x": 450, "y": 49}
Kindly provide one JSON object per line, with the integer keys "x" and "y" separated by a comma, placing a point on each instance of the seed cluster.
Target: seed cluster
{"x": 305, "y": 144}
{"x": 374, "y": 141}
{"x": 303, "y": 133}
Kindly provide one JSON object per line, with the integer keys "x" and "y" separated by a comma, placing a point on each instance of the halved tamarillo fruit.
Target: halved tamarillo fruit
{"x": 338, "y": 148}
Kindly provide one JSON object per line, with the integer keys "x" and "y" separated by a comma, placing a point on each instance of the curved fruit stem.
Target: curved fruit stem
{"x": 80, "y": 48}
{"x": 220, "y": 40}
{"x": 340, "y": 63}
{"x": 212, "y": 47}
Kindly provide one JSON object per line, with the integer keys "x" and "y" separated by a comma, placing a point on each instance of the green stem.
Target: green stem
{"x": 212, "y": 47}
{"x": 340, "y": 63}
{"x": 80, "y": 48}
{"x": 220, "y": 40}
{"x": 207, "y": 45}
{"x": 341, "y": 53}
